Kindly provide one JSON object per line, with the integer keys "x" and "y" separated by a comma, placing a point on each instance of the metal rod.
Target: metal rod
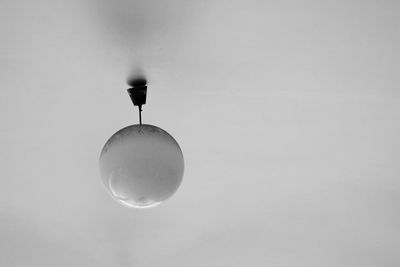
{"x": 140, "y": 114}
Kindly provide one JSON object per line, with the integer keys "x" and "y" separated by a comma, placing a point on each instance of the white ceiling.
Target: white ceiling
{"x": 288, "y": 114}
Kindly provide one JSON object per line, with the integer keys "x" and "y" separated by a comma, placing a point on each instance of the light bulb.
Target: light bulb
{"x": 141, "y": 166}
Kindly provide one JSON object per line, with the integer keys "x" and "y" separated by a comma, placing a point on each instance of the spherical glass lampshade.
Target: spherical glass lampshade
{"x": 141, "y": 166}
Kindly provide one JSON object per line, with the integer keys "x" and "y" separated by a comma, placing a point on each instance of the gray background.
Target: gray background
{"x": 288, "y": 114}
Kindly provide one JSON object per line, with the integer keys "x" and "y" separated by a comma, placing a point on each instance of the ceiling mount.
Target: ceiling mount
{"x": 138, "y": 94}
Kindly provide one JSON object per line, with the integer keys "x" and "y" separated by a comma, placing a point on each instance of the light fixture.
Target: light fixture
{"x": 141, "y": 165}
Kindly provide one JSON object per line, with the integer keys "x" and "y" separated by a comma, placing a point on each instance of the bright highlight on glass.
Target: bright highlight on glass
{"x": 141, "y": 166}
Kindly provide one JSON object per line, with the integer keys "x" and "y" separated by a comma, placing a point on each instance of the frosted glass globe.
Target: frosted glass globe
{"x": 141, "y": 165}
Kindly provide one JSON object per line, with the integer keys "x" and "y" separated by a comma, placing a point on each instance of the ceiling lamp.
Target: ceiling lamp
{"x": 141, "y": 165}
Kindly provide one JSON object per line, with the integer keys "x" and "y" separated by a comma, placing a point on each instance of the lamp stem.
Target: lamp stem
{"x": 140, "y": 114}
